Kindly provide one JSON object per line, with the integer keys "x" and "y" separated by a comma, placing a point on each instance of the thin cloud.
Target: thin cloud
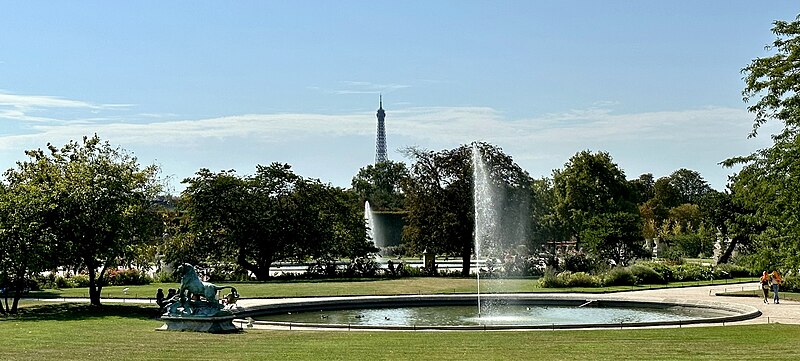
{"x": 347, "y": 87}
{"x": 437, "y": 125}
{"x": 24, "y": 107}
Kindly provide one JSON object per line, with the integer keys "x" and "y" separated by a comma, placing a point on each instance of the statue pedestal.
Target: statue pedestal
{"x": 216, "y": 324}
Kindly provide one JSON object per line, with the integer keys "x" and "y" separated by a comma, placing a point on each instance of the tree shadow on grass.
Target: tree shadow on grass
{"x": 82, "y": 311}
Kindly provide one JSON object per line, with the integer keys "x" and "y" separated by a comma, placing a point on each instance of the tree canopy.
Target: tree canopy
{"x": 597, "y": 206}
{"x": 273, "y": 215}
{"x": 439, "y": 197}
{"x": 103, "y": 204}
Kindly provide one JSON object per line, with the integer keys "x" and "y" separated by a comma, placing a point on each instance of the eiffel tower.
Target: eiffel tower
{"x": 380, "y": 142}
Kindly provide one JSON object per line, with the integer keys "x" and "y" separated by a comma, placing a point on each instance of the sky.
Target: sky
{"x": 228, "y": 85}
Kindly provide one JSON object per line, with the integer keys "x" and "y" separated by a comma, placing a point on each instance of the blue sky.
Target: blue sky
{"x": 228, "y": 85}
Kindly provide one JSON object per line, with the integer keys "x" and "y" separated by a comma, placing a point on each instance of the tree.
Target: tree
{"x": 774, "y": 81}
{"x": 592, "y": 191}
{"x": 545, "y": 225}
{"x": 689, "y": 186}
{"x": 766, "y": 188}
{"x": 381, "y": 185}
{"x": 643, "y": 187}
{"x": 439, "y": 198}
{"x": 614, "y": 235}
{"x": 26, "y": 238}
{"x": 104, "y": 203}
{"x": 271, "y": 216}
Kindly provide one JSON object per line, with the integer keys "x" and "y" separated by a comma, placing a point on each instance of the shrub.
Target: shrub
{"x": 166, "y": 277}
{"x": 580, "y": 279}
{"x": 732, "y": 271}
{"x": 64, "y": 282}
{"x": 80, "y": 280}
{"x": 131, "y": 276}
{"x": 577, "y": 262}
{"x": 363, "y": 267}
{"x": 549, "y": 280}
{"x": 663, "y": 271}
{"x": 647, "y": 275}
{"x": 619, "y": 276}
{"x": 672, "y": 256}
{"x": 692, "y": 272}
{"x": 791, "y": 284}
{"x": 568, "y": 279}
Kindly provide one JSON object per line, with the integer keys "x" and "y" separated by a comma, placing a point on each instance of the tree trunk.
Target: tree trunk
{"x": 466, "y": 253}
{"x": 95, "y": 288}
{"x": 725, "y": 257}
{"x": 17, "y": 296}
{"x": 261, "y": 271}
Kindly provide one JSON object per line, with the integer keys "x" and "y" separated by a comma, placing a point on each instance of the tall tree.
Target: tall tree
{"x": 592, "y": 191}
{"x": 643, "y": 187}
{"x": 381, "y": 185}
{"x": 768, "y": 190}
{"x": 767, "y": 185}
{"x": 105, "y": 203}
{"x": 439, "y": 198}
{"x": 26, "y": 238}
{"x": 774, "y": 81}
{"x": 689, "y": 185}
{"x": 271, "y": 216}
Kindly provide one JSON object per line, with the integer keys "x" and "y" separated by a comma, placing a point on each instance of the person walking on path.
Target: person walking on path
{"x": 765, "y": 285}
{"x": 776, "y": 284}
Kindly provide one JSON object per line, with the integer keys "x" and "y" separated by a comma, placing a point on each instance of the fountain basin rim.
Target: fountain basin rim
{"x": 734, "y": 312}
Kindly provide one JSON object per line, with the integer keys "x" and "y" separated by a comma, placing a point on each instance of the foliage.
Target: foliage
{"x": 27, "y": 239}
{"x": 773, "y": 81}
{"x": 647, "y": 275}
{"x": 125, "y": 277}
{"x": 619, "y": 276}
{"x": 596, "y": 206}
{"x": 768, "y": 185}
{"x": 380, "y": 184}
{"x": 791, "y": 284}
{"x": 643, "y": 187}
{"x": 614, "y": 236}
{"x": 577, "y": 262}
{"x": 439, "y": 199}
{"x": 689, "y": 186}
{"x": 105, "y": 204}
{"x": 362, "y": 267}
{"x": 568, "y": 279}
{"x": 274, "y": 215}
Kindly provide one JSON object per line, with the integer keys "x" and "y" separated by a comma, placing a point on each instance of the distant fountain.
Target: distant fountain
{"x": 373, "y": 229}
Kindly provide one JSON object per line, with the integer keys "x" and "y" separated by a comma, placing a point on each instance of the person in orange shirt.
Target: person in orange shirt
{"x": 776, "y": 283}
{"x": 765, "y": 285}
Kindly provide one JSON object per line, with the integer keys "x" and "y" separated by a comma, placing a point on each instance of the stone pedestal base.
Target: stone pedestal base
{"x": 221, "y": 324}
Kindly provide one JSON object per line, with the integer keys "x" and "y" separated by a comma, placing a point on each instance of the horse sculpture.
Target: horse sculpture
{"x": 195, "y": 287}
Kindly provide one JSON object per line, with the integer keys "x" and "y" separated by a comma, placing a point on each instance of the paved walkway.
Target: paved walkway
{"x": 785, "y": 312}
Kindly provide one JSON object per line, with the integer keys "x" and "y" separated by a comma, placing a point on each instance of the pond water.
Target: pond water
{"x": 493, "y": 315}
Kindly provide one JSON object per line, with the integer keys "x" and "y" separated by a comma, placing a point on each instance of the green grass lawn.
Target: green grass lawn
{"x": 422, "y": 285}
{"x": 127, "y": 332}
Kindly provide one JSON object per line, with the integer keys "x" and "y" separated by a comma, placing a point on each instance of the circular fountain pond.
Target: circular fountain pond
{"x": 507, "y": 311}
